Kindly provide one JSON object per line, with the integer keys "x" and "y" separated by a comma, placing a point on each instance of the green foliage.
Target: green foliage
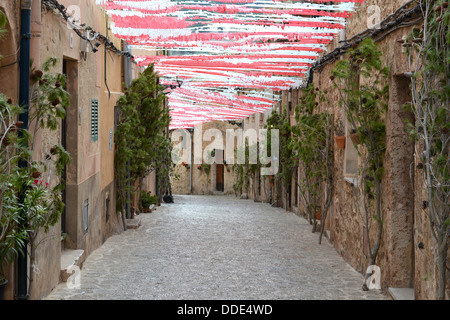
{"x": 240, "y": 178}
{"x": 10, "y": 212}
{"x": 287, "y": 159}
{"x": 141, "y": 142}
{"x": 147, "y": 199}
{"x": 362, "y": 84}
{"x": 30, "y": 193}
{"x": 49, "y": 97}
{"x": 204, "y": 167}
{"x": 3, "y": 22}
{"x": 245, "y": 171}
{"x": 429, "y": 56}
{"x": 311, "y": 144}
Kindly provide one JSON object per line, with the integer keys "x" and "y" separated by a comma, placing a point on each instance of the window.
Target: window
{"x": 94, "y": 120}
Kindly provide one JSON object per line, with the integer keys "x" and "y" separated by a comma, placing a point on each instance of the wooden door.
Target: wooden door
{"x": 219, "y": 177}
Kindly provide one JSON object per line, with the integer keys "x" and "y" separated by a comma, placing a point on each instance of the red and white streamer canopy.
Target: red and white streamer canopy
{"x": 233, "y": 56}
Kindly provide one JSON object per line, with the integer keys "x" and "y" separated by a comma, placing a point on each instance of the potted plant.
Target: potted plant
{"x": 184, "y": 164}
{"x": 272, "y": 180}
{"x": 339, "y": 135}
{"x": 11, "y": 239}
{"x": 147, "y": 200}
{"x": 354, "y": 135}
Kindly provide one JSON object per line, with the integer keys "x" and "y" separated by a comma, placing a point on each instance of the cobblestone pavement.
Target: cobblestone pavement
{"x": 217, "y": 248}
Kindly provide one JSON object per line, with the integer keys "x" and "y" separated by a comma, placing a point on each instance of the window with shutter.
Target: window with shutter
{"x": 94, "y": 120}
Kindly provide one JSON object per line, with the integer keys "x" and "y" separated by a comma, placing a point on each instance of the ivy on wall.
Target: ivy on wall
{"x": 361, "y": 81}
{"x": 428, "y": 50}
{"x": 30, "y": 189}
{"x": 312, "y": 145}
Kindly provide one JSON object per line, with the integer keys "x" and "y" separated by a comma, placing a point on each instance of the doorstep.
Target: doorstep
{"x": 402, "y": 293}
{"x": 133, "y": 223}
{"x": 71, "y": 260}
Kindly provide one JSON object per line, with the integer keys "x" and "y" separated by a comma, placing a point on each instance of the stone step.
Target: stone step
{"x": 133, "y": 223}
{"x": 71, "y": 260}
{"x": 402, "y": 293}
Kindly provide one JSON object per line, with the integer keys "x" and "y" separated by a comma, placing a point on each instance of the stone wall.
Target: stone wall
{"x": 346, "y": 229}
{"x": 405, "y": 223}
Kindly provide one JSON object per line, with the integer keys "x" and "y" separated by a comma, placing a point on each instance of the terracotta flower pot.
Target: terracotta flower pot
{"x": 340, "y": 141}
{"x": 355, "y": 138}
{"x": 318, "y": 215}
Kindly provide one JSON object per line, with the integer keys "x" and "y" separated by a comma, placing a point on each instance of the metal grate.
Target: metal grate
{"x": 94, "y": 120}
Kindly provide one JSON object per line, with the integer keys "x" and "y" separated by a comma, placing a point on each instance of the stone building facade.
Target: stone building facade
{"x": 189, "y": 177}
{"x": 406, "y": 255}
{"x": 405, "y": 258}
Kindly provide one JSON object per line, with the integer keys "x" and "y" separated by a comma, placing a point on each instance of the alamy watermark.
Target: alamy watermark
{"x": 374, "y": 281}
{"x": 374, "y": 17}
{"x": 234, "y": 151}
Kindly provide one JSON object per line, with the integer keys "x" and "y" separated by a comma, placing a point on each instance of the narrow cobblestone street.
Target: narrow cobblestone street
{"x": 216, "y": 247}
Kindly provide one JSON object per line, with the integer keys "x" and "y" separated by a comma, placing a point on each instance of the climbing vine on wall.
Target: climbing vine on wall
{"x": 286, "y": 160}
{"x": 429, "y": 58}
{"x": 30, "y": 189}
{"x": 245, "y": 169}
{"x": 361, "y": 81}
{"x": 312, "y": 144}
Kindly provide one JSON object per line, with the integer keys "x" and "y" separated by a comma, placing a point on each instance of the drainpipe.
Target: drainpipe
{"x": 35, "y": 45}
{"x": 24, "y": 97}
{"x": 192, "y": 158}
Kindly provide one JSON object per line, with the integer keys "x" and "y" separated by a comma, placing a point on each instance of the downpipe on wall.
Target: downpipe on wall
{"x": 24, "y": 100}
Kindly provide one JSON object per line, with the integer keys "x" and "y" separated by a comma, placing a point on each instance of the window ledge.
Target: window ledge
{"x": 351, "y": 180}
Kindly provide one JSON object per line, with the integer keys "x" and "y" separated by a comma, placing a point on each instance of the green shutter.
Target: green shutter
{"x": 94, "y": 120}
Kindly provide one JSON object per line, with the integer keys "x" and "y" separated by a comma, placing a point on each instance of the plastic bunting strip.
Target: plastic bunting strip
{"x": 233, "y": 56}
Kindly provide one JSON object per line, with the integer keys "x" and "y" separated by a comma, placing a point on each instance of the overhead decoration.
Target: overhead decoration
{"x": 233, "y": 57}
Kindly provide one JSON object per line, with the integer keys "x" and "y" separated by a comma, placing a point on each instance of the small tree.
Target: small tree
{"x": 40, "y": 184}
{"x": 362, "y": 84}
{"x": 30, "y": 192}
{"x": 313, "y": 146}
{"x": 141, "y": 142}
{"x": 11, "y": 239}
{"x": 280, "y": 122}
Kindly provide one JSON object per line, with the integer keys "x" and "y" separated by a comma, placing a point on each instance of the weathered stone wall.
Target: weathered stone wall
{"x": 405, "y": 223}
{"x": 346, "y": 228}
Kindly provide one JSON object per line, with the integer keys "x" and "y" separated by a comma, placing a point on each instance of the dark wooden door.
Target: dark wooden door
{"x": 219, "y": 177}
